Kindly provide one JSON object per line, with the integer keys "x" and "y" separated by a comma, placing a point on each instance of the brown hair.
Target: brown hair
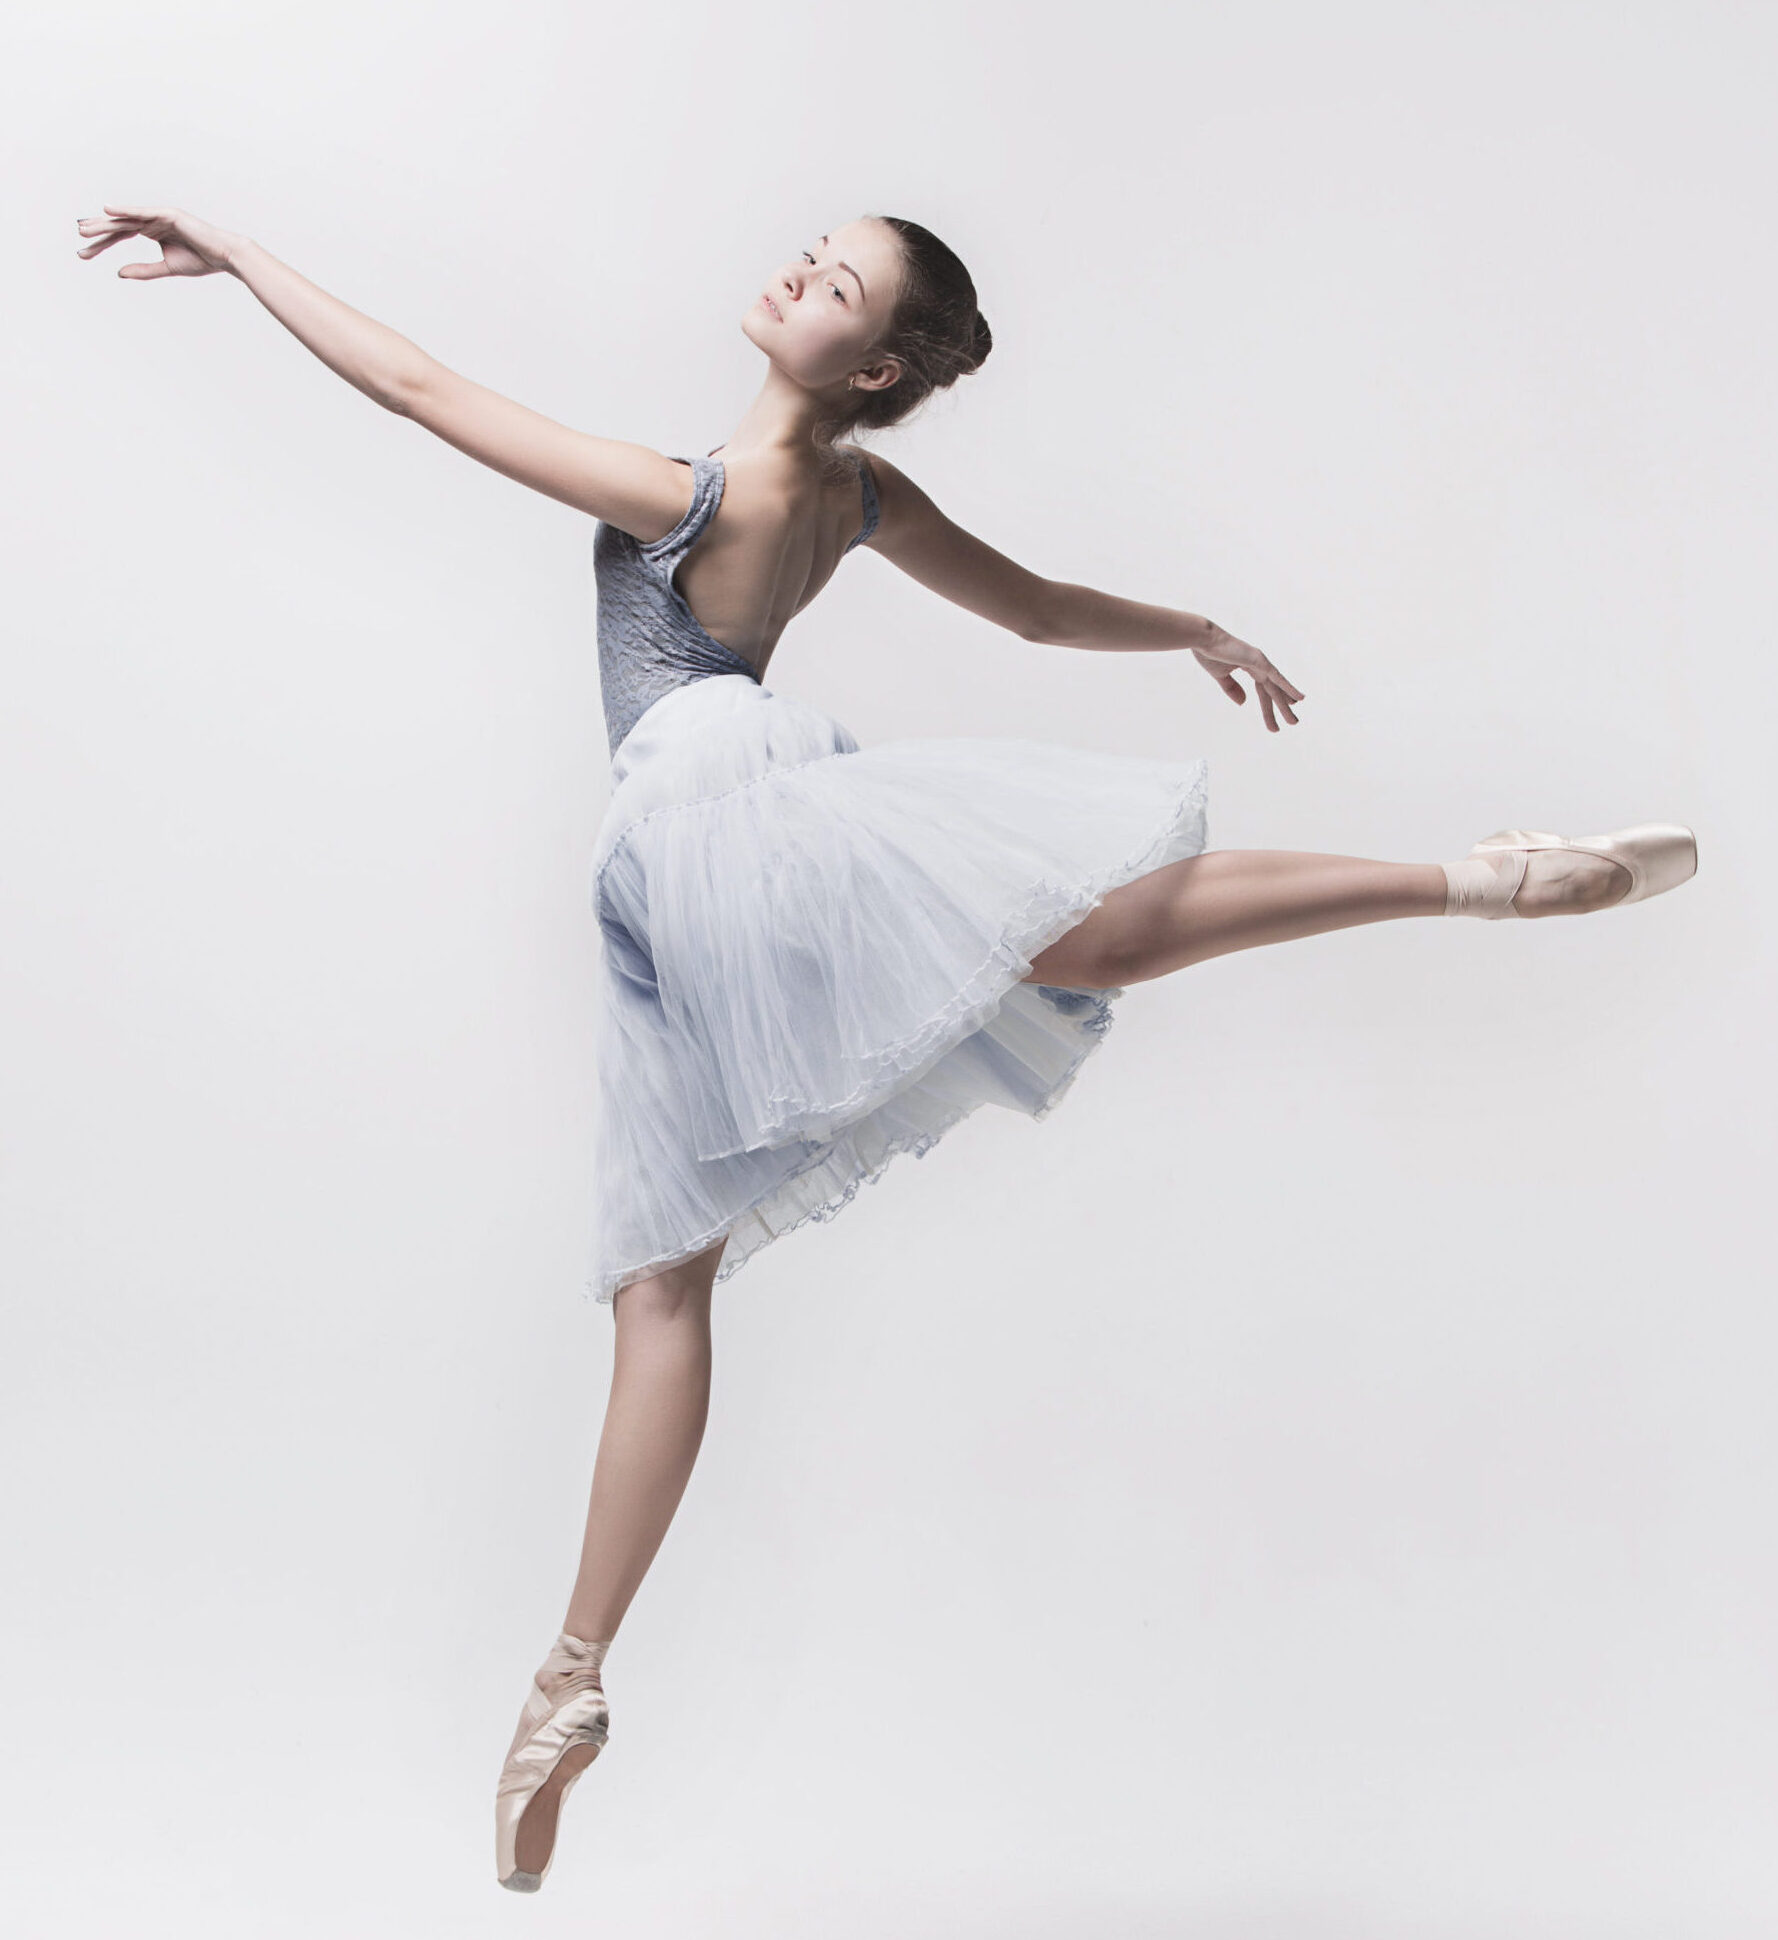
{"x": 936, "y": 332}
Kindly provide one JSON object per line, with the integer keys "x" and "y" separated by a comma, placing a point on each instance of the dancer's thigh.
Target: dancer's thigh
{"x": 1116, "y": 943}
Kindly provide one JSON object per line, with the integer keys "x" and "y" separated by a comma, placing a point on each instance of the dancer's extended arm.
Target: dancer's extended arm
{"x": 631, "y": 485}
{"x": 915, "y": 535}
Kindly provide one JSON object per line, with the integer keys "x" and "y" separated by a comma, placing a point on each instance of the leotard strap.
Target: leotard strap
{"x": 869, "y": 486}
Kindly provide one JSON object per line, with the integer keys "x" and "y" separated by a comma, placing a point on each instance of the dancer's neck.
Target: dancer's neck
{"x": 784, "y": 417}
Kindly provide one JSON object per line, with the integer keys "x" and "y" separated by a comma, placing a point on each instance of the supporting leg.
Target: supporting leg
{"x": 654, "y": 1424}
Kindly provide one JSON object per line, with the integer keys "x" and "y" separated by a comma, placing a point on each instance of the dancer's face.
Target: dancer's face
{"x": 820, "y": 311}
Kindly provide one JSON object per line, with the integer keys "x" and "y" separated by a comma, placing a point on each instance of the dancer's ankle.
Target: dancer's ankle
{"x": 1467, "y": 884}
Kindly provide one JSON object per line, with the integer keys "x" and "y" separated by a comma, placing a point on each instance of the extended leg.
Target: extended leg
{"x": 1237, "y": 899}
{"x": 654, "y": 1424}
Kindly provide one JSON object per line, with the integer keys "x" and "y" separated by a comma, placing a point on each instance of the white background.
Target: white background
{"x": 1320, "y": 1483}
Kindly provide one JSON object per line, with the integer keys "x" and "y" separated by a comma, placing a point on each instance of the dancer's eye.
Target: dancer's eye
{"x": 809, "y": 258}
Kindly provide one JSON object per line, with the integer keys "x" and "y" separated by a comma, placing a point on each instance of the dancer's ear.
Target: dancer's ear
{"x": 878, "y": 376}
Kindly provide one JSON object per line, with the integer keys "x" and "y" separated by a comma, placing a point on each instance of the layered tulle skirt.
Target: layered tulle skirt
{"x": 812, "y": 955}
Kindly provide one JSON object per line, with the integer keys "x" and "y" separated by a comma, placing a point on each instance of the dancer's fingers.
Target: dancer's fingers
{"x": 1262, "y": 669}
{"x": 153, "y": 223}
{"x": 1286, "y": 690}
{"x": 108, "y": 233}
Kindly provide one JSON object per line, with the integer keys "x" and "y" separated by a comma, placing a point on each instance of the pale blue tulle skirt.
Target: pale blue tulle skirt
{"x": 812, "y": 953}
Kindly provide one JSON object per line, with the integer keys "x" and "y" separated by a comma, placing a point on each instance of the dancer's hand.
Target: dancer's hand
{"x": 1225, "y": 653}
{"x": 189, "y": 245}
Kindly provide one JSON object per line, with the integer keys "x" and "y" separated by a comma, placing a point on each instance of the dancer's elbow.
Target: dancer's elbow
{"x": 1058, "y": 615}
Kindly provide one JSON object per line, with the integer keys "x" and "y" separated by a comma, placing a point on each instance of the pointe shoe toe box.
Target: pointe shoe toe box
{"x": 1657, "y": 855}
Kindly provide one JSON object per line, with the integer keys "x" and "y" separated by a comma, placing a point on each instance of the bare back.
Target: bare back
{"x": 710, "y": 597}
{"x": 776, "y": 539}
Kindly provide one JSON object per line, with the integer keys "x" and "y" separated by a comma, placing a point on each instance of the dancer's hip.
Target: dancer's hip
{"x": 708, "y": 737}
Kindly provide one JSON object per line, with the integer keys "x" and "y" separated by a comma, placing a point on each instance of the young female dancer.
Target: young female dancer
{"x": 816, "y": 956}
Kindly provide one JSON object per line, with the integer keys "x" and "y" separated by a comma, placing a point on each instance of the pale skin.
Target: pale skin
{"x": 786, "y": 516}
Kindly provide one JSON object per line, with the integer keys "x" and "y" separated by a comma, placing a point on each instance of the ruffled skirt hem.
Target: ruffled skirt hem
{"x": 765, "y": 1054}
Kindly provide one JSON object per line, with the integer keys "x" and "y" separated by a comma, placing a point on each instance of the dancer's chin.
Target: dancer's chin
{"x": 750, "y": 329}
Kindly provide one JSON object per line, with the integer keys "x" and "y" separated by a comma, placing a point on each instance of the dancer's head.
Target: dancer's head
{"x": 870, "y": 319}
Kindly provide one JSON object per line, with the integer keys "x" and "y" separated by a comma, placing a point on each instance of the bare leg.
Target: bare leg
{"x": 1237, "y": 899}
{"x": 660, "y": 1383}
{"x": 1204, "y": 906}
{"x": 654, "y": 1424}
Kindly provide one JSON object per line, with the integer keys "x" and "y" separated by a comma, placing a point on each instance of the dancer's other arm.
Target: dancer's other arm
{"x": 632, "y": 486}
{"x": 915, "y": 535}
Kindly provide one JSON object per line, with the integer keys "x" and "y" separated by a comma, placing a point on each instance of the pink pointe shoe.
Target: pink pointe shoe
{"x": 562, "y": 1729}
{"x": 1657, "y": 856}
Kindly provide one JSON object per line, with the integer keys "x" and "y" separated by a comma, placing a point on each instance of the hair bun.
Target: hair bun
{"x": 935, "y": 330}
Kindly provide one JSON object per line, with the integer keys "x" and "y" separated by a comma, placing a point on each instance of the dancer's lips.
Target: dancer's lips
{"x": 765, "y": 298}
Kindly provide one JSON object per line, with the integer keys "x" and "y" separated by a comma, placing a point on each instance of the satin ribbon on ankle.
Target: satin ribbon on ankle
{"x": 1485, "y": 885}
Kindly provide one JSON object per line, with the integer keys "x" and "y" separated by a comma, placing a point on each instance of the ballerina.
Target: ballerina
{"x": 815, "y": 956}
